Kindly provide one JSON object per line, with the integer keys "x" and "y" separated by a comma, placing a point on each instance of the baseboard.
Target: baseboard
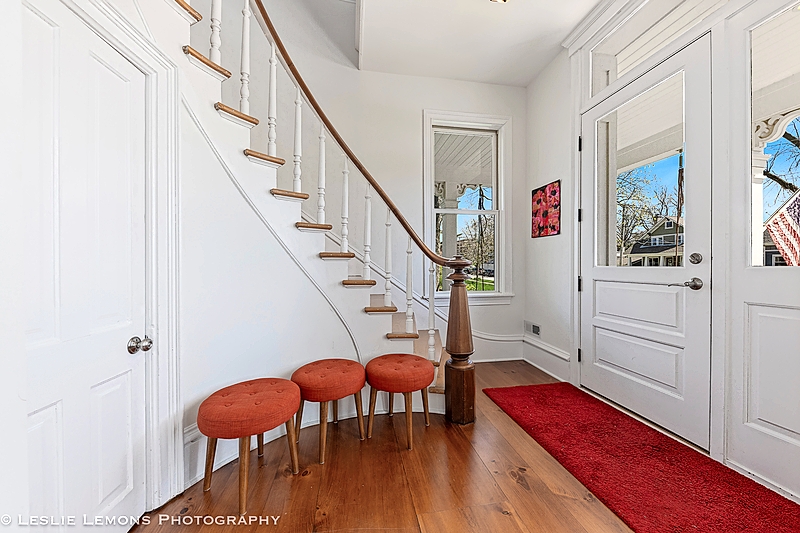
{"x": 762, "y": 481}
{"x": 548, "y": 348}
{"x": 549, "y": 359}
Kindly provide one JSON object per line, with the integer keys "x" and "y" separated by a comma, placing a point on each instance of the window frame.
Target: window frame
{"x": 501, "y": 126}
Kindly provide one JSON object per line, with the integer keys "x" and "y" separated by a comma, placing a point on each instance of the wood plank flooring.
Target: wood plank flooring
{"x": 486, "y": 477}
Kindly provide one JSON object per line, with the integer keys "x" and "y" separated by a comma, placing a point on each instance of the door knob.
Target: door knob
{"x": 135, "y": 344}
{"x": 695, "y": 284}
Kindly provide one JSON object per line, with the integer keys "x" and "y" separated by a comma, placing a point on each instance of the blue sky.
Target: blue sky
{"x": 774, "y": 196}
{"x": 665, "y": 172}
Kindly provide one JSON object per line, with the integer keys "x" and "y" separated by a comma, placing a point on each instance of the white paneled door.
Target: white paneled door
{"x": 85, "y": 129}
{"x": 763, "y": 407}
{"x": 646, "y": 245}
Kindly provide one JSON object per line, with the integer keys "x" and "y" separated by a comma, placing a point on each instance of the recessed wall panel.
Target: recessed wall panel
{"x": 110, "y": 176}
{"x": 112, "y": 455}
{"x": 774, "y": 369}
{"x": 655, "y": 364}
{"x": 639, "y": 303}
{"x": 45, "y": 464}
{"x": 40, "y": 79}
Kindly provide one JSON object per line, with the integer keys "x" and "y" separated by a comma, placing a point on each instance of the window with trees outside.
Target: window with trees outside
{"x": 641, "y": 203}
{"x": 464, "y": 203}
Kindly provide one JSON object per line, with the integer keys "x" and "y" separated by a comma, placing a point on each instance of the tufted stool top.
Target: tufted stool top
{"x": 399, "y": 372}
{"x": 248, "y": 408}
{"x": 329, "y": 379}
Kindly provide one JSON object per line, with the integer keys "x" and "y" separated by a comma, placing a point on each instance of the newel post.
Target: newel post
{"x": 459, "y": 383}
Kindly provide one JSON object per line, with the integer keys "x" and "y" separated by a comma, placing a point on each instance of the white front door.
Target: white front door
{"x": 763, "y": 312}
{"x": 646, "y": 230}
{"x": 85, "y": 288}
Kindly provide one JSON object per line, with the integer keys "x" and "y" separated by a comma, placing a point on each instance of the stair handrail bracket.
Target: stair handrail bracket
{"x": 459, "y": 370}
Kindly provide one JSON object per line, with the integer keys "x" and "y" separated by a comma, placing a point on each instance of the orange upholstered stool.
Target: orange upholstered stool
{"x": 399, "y": 372}
{"x": 243, "y": 410}
{"x": 329, "y": 380}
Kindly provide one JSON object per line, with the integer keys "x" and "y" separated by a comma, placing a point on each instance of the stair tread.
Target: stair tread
{"x": 402, "y": 335}
{"x": 189, "y": 9}
{"x": 312, "y": 225}
{"x": 289, "y": 194}
{"x": 359, "y": 282}
{"x": 219, "y": 106}
{"x": 189, "y": 51}
{"x": 337, "y": 255}
{"x": 264, "y": 157}
{"x": 380, "y": 309}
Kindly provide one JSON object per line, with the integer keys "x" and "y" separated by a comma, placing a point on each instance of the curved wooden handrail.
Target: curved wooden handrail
{"x": 457, "y": 262}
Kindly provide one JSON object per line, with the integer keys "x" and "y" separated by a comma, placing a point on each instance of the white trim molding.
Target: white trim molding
{"x": 545, "y": 347}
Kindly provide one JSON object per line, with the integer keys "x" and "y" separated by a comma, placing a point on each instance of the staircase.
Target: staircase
{"x": 381, "y": 310}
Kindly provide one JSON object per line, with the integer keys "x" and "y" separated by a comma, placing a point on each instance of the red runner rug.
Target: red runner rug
{"x": 654, "y": 483}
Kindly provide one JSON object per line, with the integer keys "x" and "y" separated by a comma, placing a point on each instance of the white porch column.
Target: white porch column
{"x": 759, "y": 163}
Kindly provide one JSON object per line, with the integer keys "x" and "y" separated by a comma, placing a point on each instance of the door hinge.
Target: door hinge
{"x": 579, "y": 355}
{"x": 580, "y": 284}
{"x": 580, "y": 215}
{"x": 580, "y": 143}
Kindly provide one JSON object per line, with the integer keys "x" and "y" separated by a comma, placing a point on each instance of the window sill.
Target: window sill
{"x": 476, "y": 298}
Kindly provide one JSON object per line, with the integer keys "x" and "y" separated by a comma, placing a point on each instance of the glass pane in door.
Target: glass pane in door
{"x": 640, "y": 179}
{"x": 775, "y": 160}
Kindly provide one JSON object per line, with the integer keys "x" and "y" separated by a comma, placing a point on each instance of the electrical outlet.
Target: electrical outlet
{"x": 532, "y": 328}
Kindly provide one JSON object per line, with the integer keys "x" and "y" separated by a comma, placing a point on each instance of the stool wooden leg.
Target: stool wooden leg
{"x": 335, "y": 411}
{"x": 211, "y": 450}
{"x": 373, "y": 395}
{"x": 409, "y": 418}
{"x": 360, "y": 415}
{"x": 391, "y": 403}
{"x": 425, "y": 406}
{"x": 299, "y": 422}
{"x": 260, "y": 440}
{"x": 292, "y": 438}
{"x": 323, "y": 430}
{"x": 244, "y": 470}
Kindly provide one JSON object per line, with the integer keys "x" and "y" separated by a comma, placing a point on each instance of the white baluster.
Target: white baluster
{"x": 321, "y": 182}
{"x": 387, "y": 287}
{"x": 409, "y": 290}
{"x": 298, "y": 140}
{"x": 345, "y": 205}
{"x": 216, "y": 21}
{"x": 431, "y": 312}
{"x": 367, "y": 234}
{"x": 272, "y": 113}
{"x": 244, "y": 92}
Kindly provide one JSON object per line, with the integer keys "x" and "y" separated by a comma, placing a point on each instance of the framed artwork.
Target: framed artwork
{"x": 546, "y": 210}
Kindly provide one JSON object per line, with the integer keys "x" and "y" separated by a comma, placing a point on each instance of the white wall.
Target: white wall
{"x": 549, "y": 259}
{"x": 380, "y": 115}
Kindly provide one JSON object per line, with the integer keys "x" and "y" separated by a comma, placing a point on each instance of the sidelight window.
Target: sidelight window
{"x": 775, "y": 162}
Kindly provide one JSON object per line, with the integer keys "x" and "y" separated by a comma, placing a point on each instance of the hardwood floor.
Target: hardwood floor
{"x": 486, "y": 477}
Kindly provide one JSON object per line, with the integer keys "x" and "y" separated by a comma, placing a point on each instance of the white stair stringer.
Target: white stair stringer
{"x": 254, "y": 182}
{"x": 200, "y": 91}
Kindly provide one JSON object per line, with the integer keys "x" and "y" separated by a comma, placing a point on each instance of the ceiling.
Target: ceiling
{"x": 473, "y": 40}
